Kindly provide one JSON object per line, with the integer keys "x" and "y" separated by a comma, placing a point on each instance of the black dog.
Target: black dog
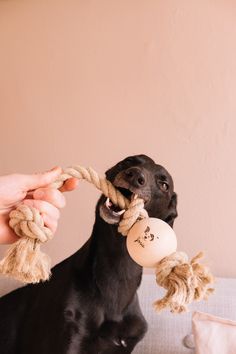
{"x": 90, "y": 305}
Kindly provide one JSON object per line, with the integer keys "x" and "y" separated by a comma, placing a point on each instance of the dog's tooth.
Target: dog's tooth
{"x": 116, "y": 342}
{"x": 120, "y": 212}
{"x": 123, "y": 343}
{"x": 133, "y": 196}
{"x": 108, "y": 203}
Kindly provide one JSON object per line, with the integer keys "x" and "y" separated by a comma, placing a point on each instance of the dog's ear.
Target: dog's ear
{"x": 172, "y": 210}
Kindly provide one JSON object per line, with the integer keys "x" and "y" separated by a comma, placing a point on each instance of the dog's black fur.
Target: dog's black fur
{"x": 90, "y": 304}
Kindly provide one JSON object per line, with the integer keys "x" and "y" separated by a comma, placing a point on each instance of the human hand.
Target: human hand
{"x": 31, "y": 190}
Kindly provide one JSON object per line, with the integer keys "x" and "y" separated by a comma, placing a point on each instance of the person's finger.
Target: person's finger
{"x": 37, "y": 180}
{"x": 43, "y": 207}
{"x": 7, "y": 235}
{"x": 50, "y": 222}
{"x": 50, "y": 195}
{"x": 69, "y": 185}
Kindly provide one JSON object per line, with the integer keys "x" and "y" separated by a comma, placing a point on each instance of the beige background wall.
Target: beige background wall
{"x": 91, "y": 82}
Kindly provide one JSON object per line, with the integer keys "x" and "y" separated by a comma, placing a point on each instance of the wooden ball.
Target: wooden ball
{"x": 149, "y": 241}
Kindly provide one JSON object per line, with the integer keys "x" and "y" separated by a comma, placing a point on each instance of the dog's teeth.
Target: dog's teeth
{"x": 108, "y": 203}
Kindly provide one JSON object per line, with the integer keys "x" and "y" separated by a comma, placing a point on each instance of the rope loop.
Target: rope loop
{"x": 132, "y": 214}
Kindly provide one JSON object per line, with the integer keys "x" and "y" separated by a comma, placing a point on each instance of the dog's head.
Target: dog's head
{"x": 140, "y": 175}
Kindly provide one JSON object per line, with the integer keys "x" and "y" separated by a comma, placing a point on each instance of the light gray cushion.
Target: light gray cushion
{"x": 166, "y": 330}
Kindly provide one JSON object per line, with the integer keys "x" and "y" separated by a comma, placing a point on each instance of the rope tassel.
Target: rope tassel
{"x": 24, "y": 260}
{"x": 150, "y": 242}
{"x": 184, "y": 281}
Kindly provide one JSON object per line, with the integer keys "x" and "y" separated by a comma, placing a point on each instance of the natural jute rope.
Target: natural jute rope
{"x": 24, "y": 260}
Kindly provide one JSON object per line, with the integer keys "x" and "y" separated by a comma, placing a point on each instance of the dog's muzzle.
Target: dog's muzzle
{"x": 110, "y": 212}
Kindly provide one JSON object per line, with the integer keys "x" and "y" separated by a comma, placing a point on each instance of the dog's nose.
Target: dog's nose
{"x": 135, "y": 177}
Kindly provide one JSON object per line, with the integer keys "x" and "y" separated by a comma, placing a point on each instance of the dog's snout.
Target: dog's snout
{"x": 135, "y": 177}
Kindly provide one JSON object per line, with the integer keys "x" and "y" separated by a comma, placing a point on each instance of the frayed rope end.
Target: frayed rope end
{"x": 25, "y": 262}
{"x": 185, "y": 282}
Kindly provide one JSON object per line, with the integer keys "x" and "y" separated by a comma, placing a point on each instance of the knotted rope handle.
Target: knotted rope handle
{"x": 25, "y": 261}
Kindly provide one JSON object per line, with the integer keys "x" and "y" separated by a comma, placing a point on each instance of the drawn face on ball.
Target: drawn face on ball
{"x": 150, "y": 240}
{"x": 145, "y": 238}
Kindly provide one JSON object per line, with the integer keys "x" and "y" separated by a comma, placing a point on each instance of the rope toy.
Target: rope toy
{"x": 150, "y": 242}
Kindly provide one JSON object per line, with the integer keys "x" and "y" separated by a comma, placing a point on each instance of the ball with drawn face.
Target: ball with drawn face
{"x": 149, "y": 241}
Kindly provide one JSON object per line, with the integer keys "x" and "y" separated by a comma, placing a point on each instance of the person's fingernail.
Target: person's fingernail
{"x": 54, "y": 169}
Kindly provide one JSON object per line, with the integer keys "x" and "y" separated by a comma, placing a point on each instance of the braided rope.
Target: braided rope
{"x": 20, "y": 260}
{"x": 88, "y": 174}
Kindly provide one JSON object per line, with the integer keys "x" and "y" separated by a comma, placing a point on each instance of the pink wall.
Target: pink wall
{"x": 90, "y": 82}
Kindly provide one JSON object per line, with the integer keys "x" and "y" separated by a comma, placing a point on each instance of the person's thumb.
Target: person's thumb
{"x": 42, "y": 179}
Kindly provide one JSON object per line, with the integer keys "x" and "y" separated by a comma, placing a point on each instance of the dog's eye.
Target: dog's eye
{"x": 164, "y": 186}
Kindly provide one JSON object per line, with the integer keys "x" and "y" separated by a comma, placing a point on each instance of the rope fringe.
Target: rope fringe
{"x": 184, "y": 281}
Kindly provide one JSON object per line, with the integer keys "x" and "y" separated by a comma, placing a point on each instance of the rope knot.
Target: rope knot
{"x": 132, "y": 214}
{"x": 184, "y": 281}
{"x": 26, "y": 221}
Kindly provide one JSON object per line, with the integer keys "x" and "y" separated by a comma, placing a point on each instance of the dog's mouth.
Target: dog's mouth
{"x": 114, "y": 209}
{"x": 126, "y": 192}
{"x": 110, "y": 212}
